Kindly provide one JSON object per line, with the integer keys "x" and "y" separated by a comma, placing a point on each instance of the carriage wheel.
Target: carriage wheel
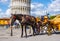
{"x": 43, "y": 29}
{"x": 49, "y": 30}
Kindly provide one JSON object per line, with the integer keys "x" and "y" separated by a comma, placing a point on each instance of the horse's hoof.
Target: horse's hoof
{"x": 21, "y": 36}
{"x": 26, "y": 36}
{"x": 49, "y": 34}
{"x": 34, "y": 34}
{"x": 38, "y": 34}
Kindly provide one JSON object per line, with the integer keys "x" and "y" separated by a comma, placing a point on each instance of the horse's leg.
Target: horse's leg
{"x": 33, "y": 27}
{"x": 25, "y": 31}
{"x": 12, "y": 22}
{"x": 36, "y": 30}
{"x": 11, "y": 31}
{"x": 22, "y": 31}
{"x": 30, "y": 30}
{"x": 39, "y": 30}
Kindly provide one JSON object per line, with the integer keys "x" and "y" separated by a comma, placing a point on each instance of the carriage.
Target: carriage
{"x": 43, "y": 25}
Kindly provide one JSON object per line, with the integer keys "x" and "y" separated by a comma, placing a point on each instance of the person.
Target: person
{"x": 38, "y": 23}
{"x": 16, "y": 24}
{"x": 45, "y": 19}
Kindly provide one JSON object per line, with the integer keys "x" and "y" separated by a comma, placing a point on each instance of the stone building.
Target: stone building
{"x": 20, "y": 7}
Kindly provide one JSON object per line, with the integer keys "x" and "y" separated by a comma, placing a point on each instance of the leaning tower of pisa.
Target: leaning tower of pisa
{"x": 20, "y": 7}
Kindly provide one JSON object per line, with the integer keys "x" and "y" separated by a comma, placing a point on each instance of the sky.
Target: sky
{"x": 38, "y": 7}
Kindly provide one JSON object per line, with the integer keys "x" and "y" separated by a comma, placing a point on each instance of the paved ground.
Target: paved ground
{"x": 5, "y": 36}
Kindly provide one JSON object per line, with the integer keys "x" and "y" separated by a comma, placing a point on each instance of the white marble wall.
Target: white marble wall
{"x": 20, "y": 7}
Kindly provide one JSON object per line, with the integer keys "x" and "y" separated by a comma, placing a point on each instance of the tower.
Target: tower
{"x": 20, "y": 7}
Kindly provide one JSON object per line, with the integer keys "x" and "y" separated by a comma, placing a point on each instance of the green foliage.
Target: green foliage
{"x": 52, "y": 17}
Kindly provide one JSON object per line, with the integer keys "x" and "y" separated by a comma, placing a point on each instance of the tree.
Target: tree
{"x": 52, "y": 17}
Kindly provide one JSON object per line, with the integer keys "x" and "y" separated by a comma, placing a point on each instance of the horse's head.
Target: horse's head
{"x": 16, "y": 17}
